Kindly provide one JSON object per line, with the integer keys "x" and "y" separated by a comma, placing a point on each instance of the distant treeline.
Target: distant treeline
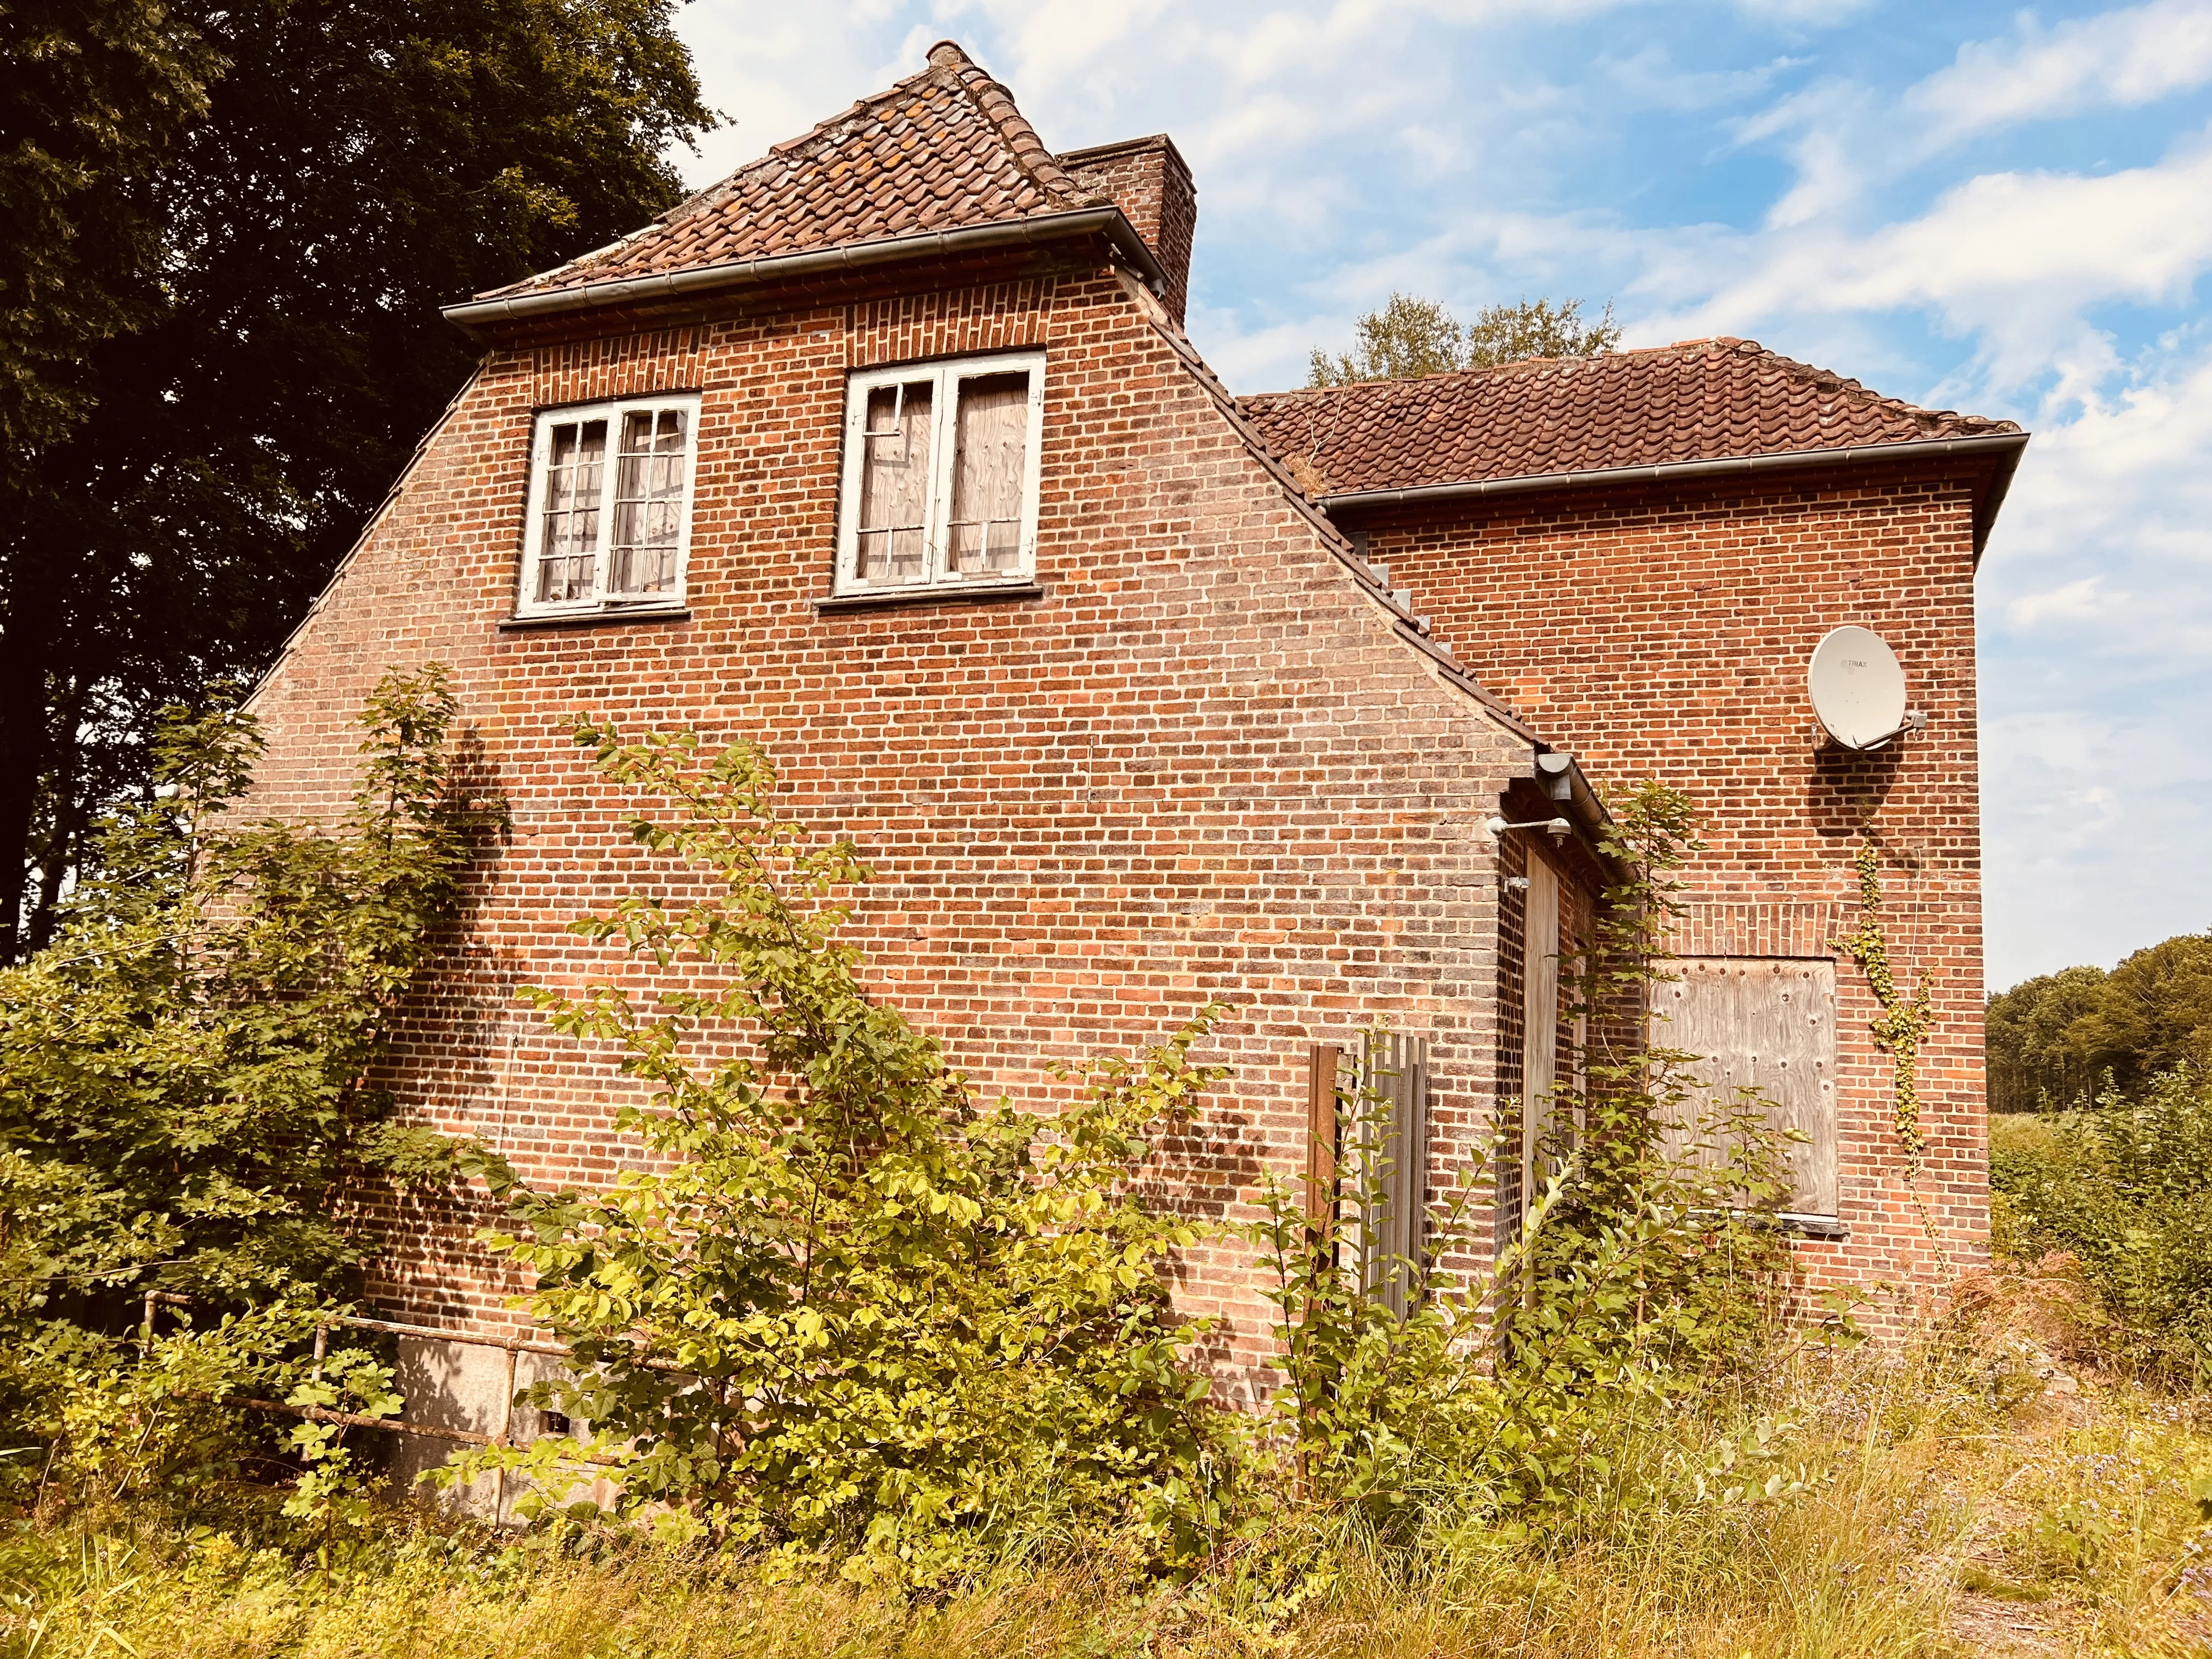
{"x": 2053, "y": 1039}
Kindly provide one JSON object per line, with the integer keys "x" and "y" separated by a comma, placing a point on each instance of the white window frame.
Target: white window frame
{"x": 599, "y": 601}
{"x": 938, "y": 511}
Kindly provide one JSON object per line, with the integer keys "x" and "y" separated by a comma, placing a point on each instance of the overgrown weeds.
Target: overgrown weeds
{"x": 880, "y": 1367}
{"x": 1950, "y": 1513}
{"x": 851, "y": 1313}
{"x": 2116, "y": 1195}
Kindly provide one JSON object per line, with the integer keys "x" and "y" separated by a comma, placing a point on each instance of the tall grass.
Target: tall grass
{"x": 2118, "y": 1194}
{"x": 1945, "y": 1501}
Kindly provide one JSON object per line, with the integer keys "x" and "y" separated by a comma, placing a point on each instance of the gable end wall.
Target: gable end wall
{"x": 1201, "y": 765}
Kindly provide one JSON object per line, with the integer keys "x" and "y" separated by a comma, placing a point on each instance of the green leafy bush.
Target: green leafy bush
{"x": 846, "y": 1308}
{"x": 188, "y": 1093}
{"x": 2124, "y": 1186}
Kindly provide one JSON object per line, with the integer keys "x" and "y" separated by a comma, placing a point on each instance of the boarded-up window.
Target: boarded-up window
{"x": 1372, "y": 1124}
{"x": 1766, "y": 1024}
{"x": 941, "y": 475}
{"x": 1394, "y": 1151}
{"x": 1540, "y": 1021}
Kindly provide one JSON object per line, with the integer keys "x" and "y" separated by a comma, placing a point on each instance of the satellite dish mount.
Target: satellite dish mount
{"x": 1858, "y": 689}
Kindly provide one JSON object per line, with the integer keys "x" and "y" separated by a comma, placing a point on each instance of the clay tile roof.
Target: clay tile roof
{"x": 941, "y": 150}
{"x": 1697, "y": 400}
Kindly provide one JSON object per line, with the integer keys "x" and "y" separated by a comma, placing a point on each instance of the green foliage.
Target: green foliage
{"x": 96, "y": 97}
{"x": 1647, "y": 1263}
{"x": 186, "y": 1074}
{"x": 2051, "y": 1040}
{"x": 1904, "y": 1021}
{"x": 2124, "y": 1185}
{"x": 1409, "y": 337}
{"x": 96, "y": 1418}
{"x": 1681, "y": 1195}
{"x": 845, "y": 1308}
{"x": 2034, "y": 1056}
{"x": 333, "y": 1491}
{"x": 1869, "y": 1562}
{"x": 1412, "y": 337}
{"x": 220, "y": 311}
{"x": 841, "y": 1310}
{"x": 1538, "y": 328}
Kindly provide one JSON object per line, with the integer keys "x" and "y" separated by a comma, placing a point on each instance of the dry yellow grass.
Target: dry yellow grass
{"x": 1959, "y": 1508}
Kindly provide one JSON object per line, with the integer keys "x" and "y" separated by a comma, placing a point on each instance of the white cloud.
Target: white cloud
{"x": 779, "y": 70}
{"x": 2075, "y": 600}
{"x": 2097, "y": 667}
{"x": 2092, "y": 827}
{"x": 2016, "y": 260}
{"x": 1650, "y": 79}
{"x": 2127, "y": 57}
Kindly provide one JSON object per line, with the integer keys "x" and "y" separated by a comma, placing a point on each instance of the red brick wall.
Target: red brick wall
{"x": 1200, "y": 765}
{"x": 1664, "y": 634}
{"x": 1151, "y": 183}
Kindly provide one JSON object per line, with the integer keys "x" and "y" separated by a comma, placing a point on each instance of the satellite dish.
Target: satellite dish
{"x": 1858, "y": 690}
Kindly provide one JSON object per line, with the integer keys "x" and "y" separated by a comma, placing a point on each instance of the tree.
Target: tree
{"x": 2155, "y": 1012}
{"x": 2054, "y": 1038}
{"x": 189, "y": 1089}
{"x": 188, "y": 1092}
{"x": 1538, "y": 328}
{"x": 96, "y": 98}
{"x": 2034, "y": 1049}
{"x": 354, "y": 168}
{"x": 1412, "y": 337}
{"x": 185, "y": 1075}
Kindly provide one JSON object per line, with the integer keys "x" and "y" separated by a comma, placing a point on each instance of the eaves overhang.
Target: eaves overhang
{"x": 1561, "y": 776}
{"x": 2003, "y": 448}
{"x": 478, "y": 318}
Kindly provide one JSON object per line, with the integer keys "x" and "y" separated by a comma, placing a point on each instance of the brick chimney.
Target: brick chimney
{"x": 1150, "y": 182}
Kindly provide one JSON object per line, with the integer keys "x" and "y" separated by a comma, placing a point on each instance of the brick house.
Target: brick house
{"x": 1137, "y": 695}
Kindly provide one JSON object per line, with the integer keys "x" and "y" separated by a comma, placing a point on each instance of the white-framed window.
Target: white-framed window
{"x": 610, "y": 524}
{"x": 940, "y": 484}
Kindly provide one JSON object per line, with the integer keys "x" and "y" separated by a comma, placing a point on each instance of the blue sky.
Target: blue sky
{"x": 1971, "y": 206}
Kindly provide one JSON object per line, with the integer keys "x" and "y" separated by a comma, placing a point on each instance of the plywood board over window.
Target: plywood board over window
{"x": 1393, "y": 1153}
{"x": 1374, "y": 1117}
{"x": 1768, "y": 1024}
{"x": 1539, "y": 1025}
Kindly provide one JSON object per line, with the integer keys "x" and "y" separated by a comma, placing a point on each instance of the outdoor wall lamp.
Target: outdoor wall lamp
{"x": 1558, "y": 829}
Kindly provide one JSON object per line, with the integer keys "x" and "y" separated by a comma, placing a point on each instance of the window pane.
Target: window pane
{"x": 568, "y": 535}
{"x": 894, "y": 485}
{"x": 986, "y": 475}
{"x": 648, "y": 502}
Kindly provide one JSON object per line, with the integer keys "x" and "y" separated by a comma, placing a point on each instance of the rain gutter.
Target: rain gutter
{"x": 475, "y": 316}
{"x": 2004, "y": 447}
